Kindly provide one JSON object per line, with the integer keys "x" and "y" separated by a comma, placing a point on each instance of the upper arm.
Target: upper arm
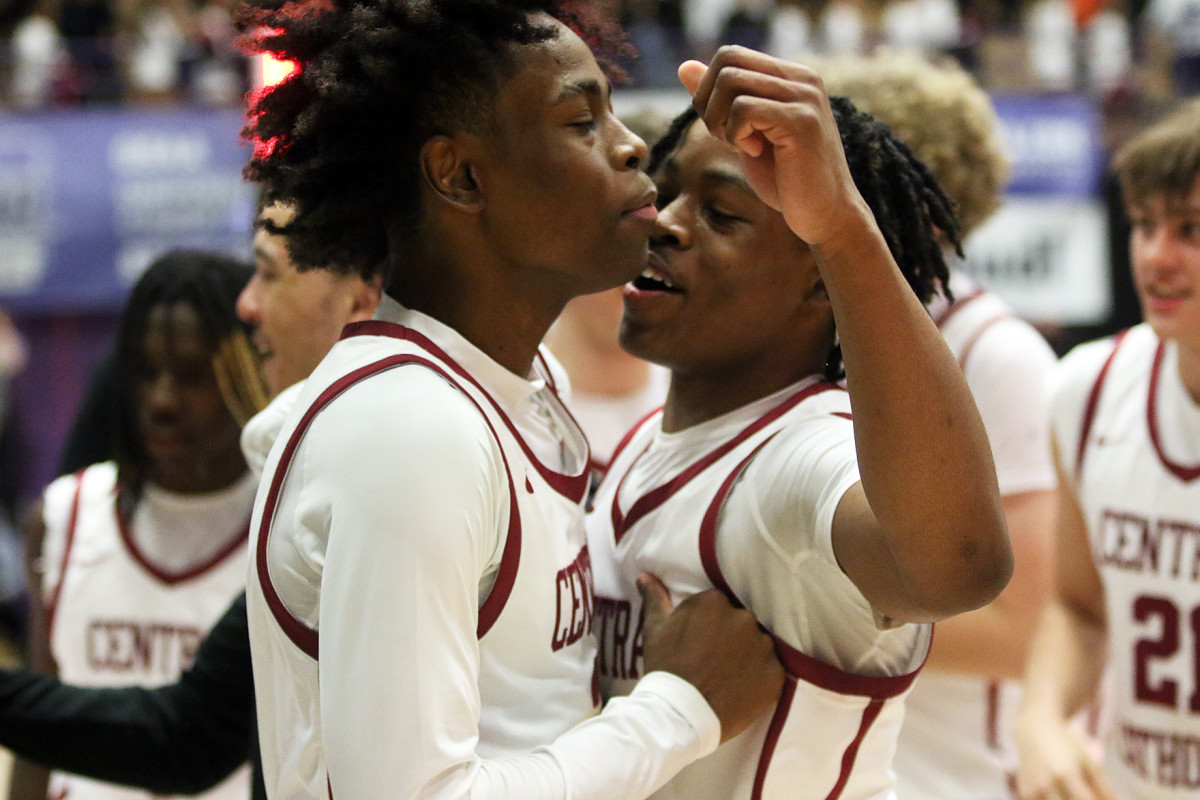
{"x": 417, "y": 499}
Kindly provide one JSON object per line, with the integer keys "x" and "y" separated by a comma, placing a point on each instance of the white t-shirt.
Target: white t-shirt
{"x": 416, "y": 632}
{"x": 758, "y": 522}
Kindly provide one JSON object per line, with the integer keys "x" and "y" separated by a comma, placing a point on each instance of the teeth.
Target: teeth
{"x": 650, "y": 274}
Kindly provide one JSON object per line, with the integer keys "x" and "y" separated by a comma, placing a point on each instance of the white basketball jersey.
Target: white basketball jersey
{"x": 536, "y": 660}
{"x": 1132, "y": 447}
{"x": 117, "y": 619}
{"x": 957, "y": 740}
{"x": 833, "y": 733}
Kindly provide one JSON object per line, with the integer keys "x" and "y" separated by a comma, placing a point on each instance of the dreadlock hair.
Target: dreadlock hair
{"x": 210, "y": 284}
{"x": 909, "y": 205}
{"x": 340, "y": 138}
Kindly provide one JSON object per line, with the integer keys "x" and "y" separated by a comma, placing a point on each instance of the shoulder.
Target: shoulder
{"x": 90, "y": 484}
{"x": 1080, "y": 368}
{"x": 404, "y": 419}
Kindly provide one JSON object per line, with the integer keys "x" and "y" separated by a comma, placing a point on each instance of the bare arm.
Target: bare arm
{"x": 994, "y": 640}
{"x": 923, "y": 534}
{"x": 1066, "y": 661}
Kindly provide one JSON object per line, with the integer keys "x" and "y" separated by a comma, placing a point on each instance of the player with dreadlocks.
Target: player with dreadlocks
{"x": 420, "y": 598}
{"x": 133, "y": 561}
{"x": 789, "y": 222}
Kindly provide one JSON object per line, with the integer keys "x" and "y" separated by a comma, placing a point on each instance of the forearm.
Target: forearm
{"x": 653, "y": 733}
{"x": 923, "y": 454}
{"x": 1066, "y": 663}
{"x": 993, "y": 641}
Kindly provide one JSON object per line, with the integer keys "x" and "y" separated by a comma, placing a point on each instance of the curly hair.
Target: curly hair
{"x": 903, "y": 194}
{"x": 941, "y": 113}
{"x": 339, "y": 139}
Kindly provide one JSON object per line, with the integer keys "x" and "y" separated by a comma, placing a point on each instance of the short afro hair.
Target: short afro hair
{"x": 339, "y": 138}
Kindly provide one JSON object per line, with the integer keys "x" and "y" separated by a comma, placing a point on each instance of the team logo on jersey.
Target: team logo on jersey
{"x": 573, "y": 617}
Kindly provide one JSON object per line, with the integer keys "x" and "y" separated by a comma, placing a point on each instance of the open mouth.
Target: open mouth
{"x": 654, "y": 278}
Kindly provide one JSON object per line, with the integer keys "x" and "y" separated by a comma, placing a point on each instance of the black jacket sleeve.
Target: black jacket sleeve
{"x": 177, "y": 739}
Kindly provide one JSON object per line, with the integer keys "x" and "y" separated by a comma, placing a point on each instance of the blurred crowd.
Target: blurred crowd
{"x": 70, "y": 52}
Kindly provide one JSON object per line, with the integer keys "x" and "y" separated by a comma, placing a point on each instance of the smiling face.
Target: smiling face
{"x": 190, "y": 437}
{"x": 1164, "y": 248}
{"x": 731, "y": 293}
{"x": 560, "y": 174}
{"x": 296, "y": 316}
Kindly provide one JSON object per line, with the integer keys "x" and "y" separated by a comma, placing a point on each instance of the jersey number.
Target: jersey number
{"x": 1166, "y": 691}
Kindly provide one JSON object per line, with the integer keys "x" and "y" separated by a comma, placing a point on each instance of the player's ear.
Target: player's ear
{"x": 448, "y": 169}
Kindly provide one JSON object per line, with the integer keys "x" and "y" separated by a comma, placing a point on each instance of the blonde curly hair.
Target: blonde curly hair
{"x": 941, "y": 113}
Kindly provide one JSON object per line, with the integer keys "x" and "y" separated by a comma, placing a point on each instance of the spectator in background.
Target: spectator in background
{"x": 132, "y": 561}
{"x": 1126, "y": 432}
{"x": 958, "y": 735}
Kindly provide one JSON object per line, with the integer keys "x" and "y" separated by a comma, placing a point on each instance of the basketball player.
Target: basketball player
{"x": 825, "y": 511}
{"x": 958, "y": 735}
{"x": 186, "y": 736}
{"x": 1127, "y": 439}
{"x": 419, "y": 538}
{"x": 139, "y": 557}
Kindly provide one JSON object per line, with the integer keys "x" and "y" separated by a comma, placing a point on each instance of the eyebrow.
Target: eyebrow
{"x": 260, "y": 253}
{"x": 736, "y": 180}
{"x": 589, "y": 87}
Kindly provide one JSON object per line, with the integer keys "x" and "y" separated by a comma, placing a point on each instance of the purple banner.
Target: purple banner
{"x": 88, "y": 198}
{"x": 1055, "y": 144}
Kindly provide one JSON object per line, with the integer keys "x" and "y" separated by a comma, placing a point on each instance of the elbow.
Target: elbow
{"x": 977, "y": 573}
{"x": 988, "y": 575}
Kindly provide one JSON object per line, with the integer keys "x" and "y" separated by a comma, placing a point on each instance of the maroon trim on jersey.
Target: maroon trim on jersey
{"x": 797, "y": 664}
{"x": 546, "y": 369}
{"x": 1181, "y": 471}
{"x": 992, "y": 723}
{"x": 162, "y": 575}
{"x": 306, "y": 638}
{"x": 628, "y": 437}
{"x": 774, "y": 731}
{"x": 72, "y": 521}
{"x": 650, "y": 501}
{"x": 869, "y": 715}
{"x": 573, "y": 487}
{"x": 1093, "y": 401}
{"x": 941, "y": 319}
{"x": 976, "y": 336}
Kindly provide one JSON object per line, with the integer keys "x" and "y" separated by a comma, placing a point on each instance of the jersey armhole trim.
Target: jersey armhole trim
{"x": 72, "y": 521}
{"x": 573, "y": 487}
{"x": 1093, "y": 402}
{"x": 307, "y": 639}
{"x": 796, "y": 663}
